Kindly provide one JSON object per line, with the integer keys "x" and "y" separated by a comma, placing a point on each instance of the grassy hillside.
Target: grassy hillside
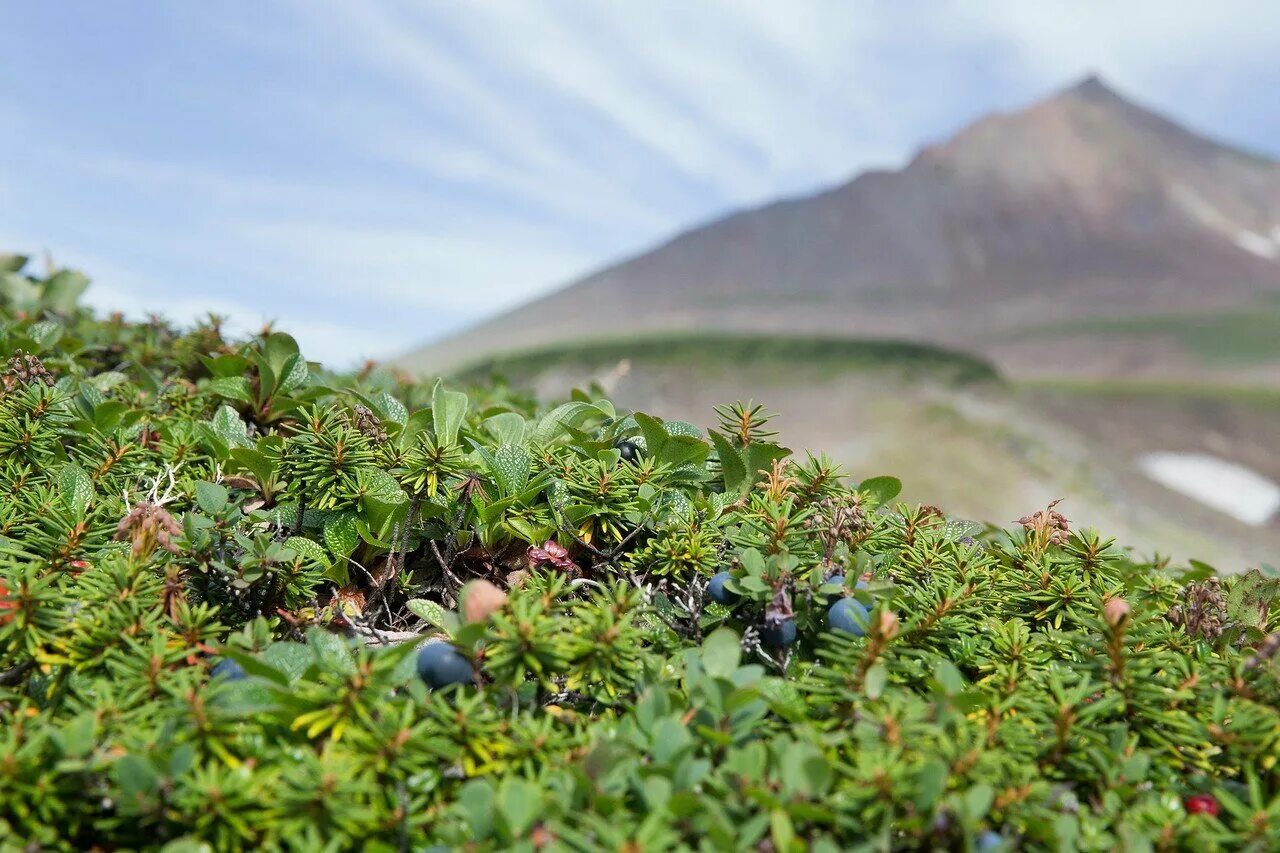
{"x": 1232, "y": 337}
{"x": 956, "y": 433}
{"x": 724, "y": 350}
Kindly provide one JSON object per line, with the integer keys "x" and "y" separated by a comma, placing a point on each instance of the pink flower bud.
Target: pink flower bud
{"x": 1115, "y": 611}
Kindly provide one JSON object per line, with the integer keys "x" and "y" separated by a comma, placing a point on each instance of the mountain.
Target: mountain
{"x": 1083, "y": 235}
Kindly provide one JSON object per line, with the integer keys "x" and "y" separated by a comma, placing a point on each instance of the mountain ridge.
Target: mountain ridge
{"x": 1082, "y": 203}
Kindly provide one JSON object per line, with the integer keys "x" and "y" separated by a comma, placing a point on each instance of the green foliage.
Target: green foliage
{"x": 219, "y": 564}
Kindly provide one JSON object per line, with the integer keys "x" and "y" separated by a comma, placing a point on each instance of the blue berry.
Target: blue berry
{"x": 848, "y": 615}
{"x": 227, "y": 669}
{"x": 779, "y": 634}
{"x": 861, "y": 584}
{"x": 629, "y": 450}
{"x": 440, "y": 664}
{"x": 837, "y": 579}
{"x": 989, "y": 840}
{"x": 717, "y": 591}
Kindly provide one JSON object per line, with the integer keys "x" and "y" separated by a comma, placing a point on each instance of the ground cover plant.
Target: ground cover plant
{"x": 733, "y": 350}
{"x": 249, "y": 604}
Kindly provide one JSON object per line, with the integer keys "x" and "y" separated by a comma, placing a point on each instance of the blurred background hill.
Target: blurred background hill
{"x": 1102, "y": 285}
{"x": 1030, "y": 238}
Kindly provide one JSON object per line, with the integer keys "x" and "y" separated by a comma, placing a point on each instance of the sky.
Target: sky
{"x": 373, "y": 175}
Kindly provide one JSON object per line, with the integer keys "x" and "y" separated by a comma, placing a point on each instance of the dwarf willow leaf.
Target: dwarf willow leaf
{"x": 76, "y": 488}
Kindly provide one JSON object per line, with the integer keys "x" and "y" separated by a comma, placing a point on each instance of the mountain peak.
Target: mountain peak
{"x": 1083, "y": 203}
{"x": 1086, "y": 134}
{"x": 1092, "y": 86}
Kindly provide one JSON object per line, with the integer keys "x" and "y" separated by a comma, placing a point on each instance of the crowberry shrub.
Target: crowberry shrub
{"x": 251, "y": 604}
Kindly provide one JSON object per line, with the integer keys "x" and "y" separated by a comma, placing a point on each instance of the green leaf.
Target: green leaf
{"x": 948, "y": 677}
{"x": 392, "y": 409}
{"x": 433, "y": 613}
{"x": 752, "y": 562}
{"x": 476, "y": 802}
{"x": 330, "y": 649}
{"x": 341, "y": 535}
{"x": 108, "y": 414}
{"x": 880, "y": 490}
{"x": 76, "y": 739}
{"x": 682, "y": 449}
{"x": 657, "y": 793}
{"x": 257, "y": 463}
{"x": 654, "y": 434}
{"x": 448, "y": 411}
{"x": 506, "y": 427}
{"x": 211, "y": 497}
{"x": 733, "y": 469}
{"x": 308, "y": 549}
{"x": 280, "y": 351}
{"x": 295, "y": 373}
{"x": 931, "y": 783}
{"x": 76, "y": 489}
{"x": 19, "y": 292}
{"x": 379, "y": 484}
{"x": 978, "y": 800}
{"x": 63, "y": 290}
{"x": 721, "y": 653}
{"x": 289, "y": 658}
{"x": 255, "y": 666}
{"x": 874, "y": 681}
{"x": 759, "y": 457}
{"x": 511, "y": 468}
{"x": 231, "y": 387}
{"x": 45, "y": 333}
{"x": 520, "y": 802}
{"x": 781, "y": 830}
{"x": 228, "y": 427}
{"x": 805, "y": 771}
{"x": 682, "y": 428}
{"x": 135, "y": 776}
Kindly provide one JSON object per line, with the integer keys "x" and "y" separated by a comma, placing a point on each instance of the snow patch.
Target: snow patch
{"x": 1259, "y": 244}
{"x": 1251, "y": 241}
{"x": 1235, "y": 490}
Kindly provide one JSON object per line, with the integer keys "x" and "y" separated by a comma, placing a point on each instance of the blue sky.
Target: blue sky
{"x": 375, "y": 174}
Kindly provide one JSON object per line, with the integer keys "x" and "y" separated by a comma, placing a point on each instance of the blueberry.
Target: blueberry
{"x": 629, "y": 450}
{"x": 227, "y": 669}
{"x": 989, "y": 840}
{"x": 848, "y": 615}
{"x": 440, "y": 664}
{"x": 716, "y": 589}
{"x": 779, "y": 634}
{"x": 861, "y": 584}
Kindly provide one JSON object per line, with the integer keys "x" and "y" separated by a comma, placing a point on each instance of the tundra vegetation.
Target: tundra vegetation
{"x": 246, "y": 603}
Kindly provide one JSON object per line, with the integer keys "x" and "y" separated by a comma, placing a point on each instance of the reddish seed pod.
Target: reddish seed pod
{"x": 480, "y": 599}
{"x": 1115, "y": 611}
{"x": 7, "y": 606}
{"x": 1202, "y": 804}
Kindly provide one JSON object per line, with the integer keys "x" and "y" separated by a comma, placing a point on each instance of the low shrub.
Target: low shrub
{"x": 246, "y": 603}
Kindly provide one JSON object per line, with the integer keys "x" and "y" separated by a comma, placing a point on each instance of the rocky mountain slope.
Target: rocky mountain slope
{"x": 1004, "y": 241}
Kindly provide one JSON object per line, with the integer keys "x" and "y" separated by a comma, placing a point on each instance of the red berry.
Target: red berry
{"x": 6, "y": 604}
{"x": 1202, "y": 804}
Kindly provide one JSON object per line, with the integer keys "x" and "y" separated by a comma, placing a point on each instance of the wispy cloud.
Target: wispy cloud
{"x": 380, "y": 173}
